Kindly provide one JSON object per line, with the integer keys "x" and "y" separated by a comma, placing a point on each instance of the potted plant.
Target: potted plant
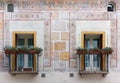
{"x": 106, "y": 50}
{"x": 9, "y": 50}
{"x": 81, "y": 50}
{"x": 94, "y": 51}
{"x": 35, "y": 50}
{"x": 22, "y": 50}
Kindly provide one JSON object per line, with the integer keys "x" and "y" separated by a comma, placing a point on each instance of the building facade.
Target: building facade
{"x": 59, "y": 27}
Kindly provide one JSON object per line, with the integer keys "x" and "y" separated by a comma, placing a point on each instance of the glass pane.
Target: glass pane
{"x": 95, "y": 43}
{"x": 30, "y": 60}
{"x": 87, "y": 57}
{"x": 87, "y": 60}
{"x": 20, "y": 61}
{"x": 96, "y": 60}
{"x": 21, "y": 42}
{"x": 20, "y": 57}
{"x": 30, "y": 43}
{"x": 87, "y": 43}
{"x": 10, "y": 8}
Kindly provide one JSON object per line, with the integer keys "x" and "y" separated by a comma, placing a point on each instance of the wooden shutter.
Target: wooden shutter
{"x": 82, "y": 62}
{"x": 82, "y": 57}
{"x": 104, "y": 66}
{"x": 35, "y": 62}
{"x": 13, "y": 62}
{"x": 103, "y": 57}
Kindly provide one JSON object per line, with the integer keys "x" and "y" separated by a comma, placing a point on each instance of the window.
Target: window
{"x": 93, "y": 62}
{"x": 111, "y": 7}
{"x": 20, "y": 62}
{"x": 10, "y": 8}
{"x": 24, "y": 60}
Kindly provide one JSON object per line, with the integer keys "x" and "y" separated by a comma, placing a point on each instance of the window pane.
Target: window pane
{"x": 87, "y": 60}
{"x": 96, "y": 43}
{"x": 21, "y": 42}
{"x": 30, "y": 42}
{"x": 30, "y": 60}
{"x": 10, "y": 8}
{"x": 87, "y": 43}
{"x": 20, "y": 61}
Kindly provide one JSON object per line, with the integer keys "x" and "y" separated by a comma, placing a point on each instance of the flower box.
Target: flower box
{"x": 81, "y": 51}
{"x": 106, "y": 50}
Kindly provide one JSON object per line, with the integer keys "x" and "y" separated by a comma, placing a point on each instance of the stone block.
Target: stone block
{"x": 73, "y": 62}
{"x": 1, "y": 15}
{"x": 113, "y": 63}
{"x": 118, "y": 66}
{"x": 55, "y": 56}
{"x": 64, "y": 56}
{"x": 73, "y": 55}
{"x": 60, "y": 66}
{"x": 55, "y": 15}
{"x": 72, "y": 69}
{"x": 59, "y": 26}
{"x": 46, "y": 62}
{"x": 45, "y": 16}
{"x": 52, "y": 47}
{"x": 0, "y": 56}
{"x": 60, "y": 46}
{"x": 55, "y": 35}
{"x": 47, "y": 69}
{"x": 7, "y": 15}
{"x": 46, "y": 55}
{"x": 1, "y": 25}
{"x": 1, "y": 36}
{"x": 65, "y": 35}
{"x": 64, "y": 15}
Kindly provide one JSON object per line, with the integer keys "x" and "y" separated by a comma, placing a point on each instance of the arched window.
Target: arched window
{"x": 10, "y": 8}
{"x": 111, "y": 7}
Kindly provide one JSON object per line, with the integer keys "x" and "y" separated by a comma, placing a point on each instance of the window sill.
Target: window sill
{"x": 104, "y": 73}
{"x": 23, "y": 72}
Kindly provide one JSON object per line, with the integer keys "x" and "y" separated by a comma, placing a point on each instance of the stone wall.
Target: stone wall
{"x": 61, "y": 25}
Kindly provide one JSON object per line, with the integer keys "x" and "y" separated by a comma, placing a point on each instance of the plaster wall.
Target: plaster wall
{"x": 36, "y": 26}
{"x": 112, "y": 77}
{"x": 93, "y": 26}
{"x": 27, "y": 26}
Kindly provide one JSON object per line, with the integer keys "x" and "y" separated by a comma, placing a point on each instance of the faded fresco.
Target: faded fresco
{"x": 53, "y": 4}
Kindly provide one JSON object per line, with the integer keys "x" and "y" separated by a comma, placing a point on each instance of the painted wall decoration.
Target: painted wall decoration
{"x": 53, "y": 4}
{"x": 59, "y": 28}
